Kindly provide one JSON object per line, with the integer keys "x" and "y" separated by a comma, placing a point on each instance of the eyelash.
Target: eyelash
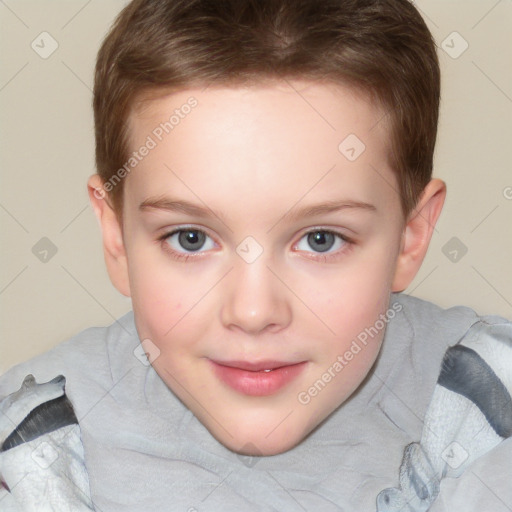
{"x": 319, "y": 256}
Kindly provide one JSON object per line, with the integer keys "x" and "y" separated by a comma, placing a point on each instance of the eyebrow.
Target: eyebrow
{"x": 182, "y": 206}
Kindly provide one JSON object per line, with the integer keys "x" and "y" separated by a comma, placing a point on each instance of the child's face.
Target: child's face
{"x": 258, "y": 157}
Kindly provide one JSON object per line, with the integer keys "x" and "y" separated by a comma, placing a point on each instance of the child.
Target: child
{"x": 264, "y": 192}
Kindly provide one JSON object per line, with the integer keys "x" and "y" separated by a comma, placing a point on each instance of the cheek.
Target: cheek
{"x": 350, "y": 298}
{"x": 159, "y": 295}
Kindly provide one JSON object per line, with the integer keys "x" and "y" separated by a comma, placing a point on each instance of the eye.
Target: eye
{"x": 322, "y": 241}
{"x": 184, "y": 241}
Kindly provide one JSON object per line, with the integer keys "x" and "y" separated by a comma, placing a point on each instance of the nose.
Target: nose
{"x": 255, "y": 299}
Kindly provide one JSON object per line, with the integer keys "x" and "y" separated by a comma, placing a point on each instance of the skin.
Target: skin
{"x": 253, "y": 154}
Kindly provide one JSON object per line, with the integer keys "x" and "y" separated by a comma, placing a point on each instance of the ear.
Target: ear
{"x": 113, "y": 244}
{"x": 417, "y": 234}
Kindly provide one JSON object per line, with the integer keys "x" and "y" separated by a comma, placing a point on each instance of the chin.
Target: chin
{"x": 259, "y": 446}
{"x": 257, "y": 441}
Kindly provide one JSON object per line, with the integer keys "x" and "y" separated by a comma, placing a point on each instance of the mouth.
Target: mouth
{"x": 263, "y": 378}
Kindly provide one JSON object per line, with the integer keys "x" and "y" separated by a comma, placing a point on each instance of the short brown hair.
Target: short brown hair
{"x": 382, "y": 47}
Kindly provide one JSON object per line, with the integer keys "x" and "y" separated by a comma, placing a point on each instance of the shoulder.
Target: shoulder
{"x": 87, "y": 359}
{"x": 461, "y": 331}
{"x": 467, "y": 427}
{"x": 425, "y": 326}
{"x": 418, "y": 334}
{"x": 422, "y": 313}
{"x": 417, "y": 337}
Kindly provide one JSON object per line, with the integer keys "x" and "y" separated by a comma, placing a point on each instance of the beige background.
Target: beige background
{"x": 47, "y": 154}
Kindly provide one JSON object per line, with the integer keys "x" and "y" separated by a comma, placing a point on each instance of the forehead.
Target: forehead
{"x": 318, "y": 103}
{"x": 302, "y": 137}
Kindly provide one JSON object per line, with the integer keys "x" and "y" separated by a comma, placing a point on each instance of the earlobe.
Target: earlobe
{"x": 112, "y": 235}
{"x": 418, "y": 233}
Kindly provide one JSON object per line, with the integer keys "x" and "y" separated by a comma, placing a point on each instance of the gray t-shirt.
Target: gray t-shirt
{"x": 145, "y": 451}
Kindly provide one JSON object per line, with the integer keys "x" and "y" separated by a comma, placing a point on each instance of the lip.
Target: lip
{"x": 250, "y": 378}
